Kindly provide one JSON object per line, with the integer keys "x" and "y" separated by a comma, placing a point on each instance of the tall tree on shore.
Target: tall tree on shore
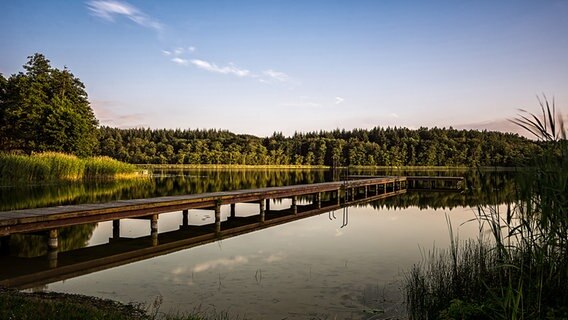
{"x": 46, "y": 109}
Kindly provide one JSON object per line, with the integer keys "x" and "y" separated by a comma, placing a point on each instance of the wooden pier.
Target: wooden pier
{"x": 33, "y": 220}
{"x": 24, "y": 273}
{"x": 306, "y": 200}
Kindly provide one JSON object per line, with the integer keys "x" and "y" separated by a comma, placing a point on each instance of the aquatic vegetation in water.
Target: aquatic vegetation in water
{"x": 53, "y": 166}
{"x": 521, "y": 270}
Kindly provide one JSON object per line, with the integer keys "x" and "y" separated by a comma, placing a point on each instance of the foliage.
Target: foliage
{"x": 60, "y": 306}
{"x": 45, "y": 109}
{"x": 524, "y": 268}
{"x": 53, "y": 166}
{"x": 53, "y": 306}
{"x": 375, "y": 147}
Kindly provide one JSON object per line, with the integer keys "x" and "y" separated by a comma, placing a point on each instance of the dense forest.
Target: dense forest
{"x": 374, "y": 147}
{"x": 46, "y": 109}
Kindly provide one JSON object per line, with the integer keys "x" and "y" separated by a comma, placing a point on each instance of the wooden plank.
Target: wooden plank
{"x": 54, "y": 217}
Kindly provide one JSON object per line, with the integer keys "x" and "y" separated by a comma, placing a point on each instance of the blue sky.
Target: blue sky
{"x": 263, "y": 66}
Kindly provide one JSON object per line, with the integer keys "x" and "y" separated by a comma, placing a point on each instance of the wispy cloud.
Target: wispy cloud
{"x": 276, "y": 75}
{"x": 230, "y": 69}
{"x": 109, "y": 9}
{"x": 223, "y": 262}
{"x": 339, "y": 100}
{"x": 394, "y": 115}
{"x": 180, "y": 61}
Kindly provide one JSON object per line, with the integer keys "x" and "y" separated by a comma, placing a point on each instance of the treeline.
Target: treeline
{"x": 359, "y": 147}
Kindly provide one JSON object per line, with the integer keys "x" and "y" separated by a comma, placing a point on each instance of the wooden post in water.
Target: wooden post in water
{"x": 233, "y": 210}
{"x": 262, "y": 213}
{"x": 366, "y": 191}
{"x": 353, "y": 190}
{"x": 116, "y": 229}
{"x": 294, "y": 205}
{"x": 267, "y": 205}
{"x": 154, "y": 229}
{"x": 218, "y": 218}
{"x": 338, "y": 193}
{"x": 52, "y": 248}
{"x": 185, "y": 218}
{"x": 52, "y": 258}
{"x": 52, "y": 241}
{"x": 317, "y": 198}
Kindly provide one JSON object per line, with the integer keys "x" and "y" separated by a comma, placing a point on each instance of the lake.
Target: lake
{"x": 343, "y": 264}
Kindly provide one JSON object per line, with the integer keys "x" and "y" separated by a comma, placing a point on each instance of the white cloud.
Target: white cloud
{"x": 231, "y": 262}
{"x": 280, "y": 76}
{"x": 191, "y": 49}
{"x": 178, "y": 51}
{"x": 166, "y": 52}
{"x": 180, "y": 61}
{"x": 394, "y": 115}
{"x": 339, "y": 100}
{"x": 230, "y": 69}
{"x": 109, "y": 9}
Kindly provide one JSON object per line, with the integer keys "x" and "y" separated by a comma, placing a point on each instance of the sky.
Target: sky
{"x": 265, "y": 66}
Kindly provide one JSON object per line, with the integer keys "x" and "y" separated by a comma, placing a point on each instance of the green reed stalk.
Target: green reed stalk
{"x": 52, "y": 166}
{"x": 524, "y": 264}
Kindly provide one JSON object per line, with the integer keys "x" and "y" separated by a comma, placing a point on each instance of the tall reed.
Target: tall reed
{"x": 521, "y": 270}
{"x": 53, "y": 166}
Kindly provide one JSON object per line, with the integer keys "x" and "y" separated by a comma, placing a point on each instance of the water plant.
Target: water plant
{"x": 54, "y": 166}
{"x": 520, "y": 270}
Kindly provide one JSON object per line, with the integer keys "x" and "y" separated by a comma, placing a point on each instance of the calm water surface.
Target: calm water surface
{"x": 345, "y": 264}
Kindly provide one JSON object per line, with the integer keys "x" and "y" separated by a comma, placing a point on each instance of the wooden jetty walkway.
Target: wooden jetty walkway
{"x": 24, "y": 273}
{"x": 31, "y": 220}
{"x": 320, "y": 198}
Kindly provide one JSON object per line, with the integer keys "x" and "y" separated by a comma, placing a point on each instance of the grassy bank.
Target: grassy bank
{"x": 518, "y": 268}
{"x": 52, "y": 166}
{"x": 61, "y": 306}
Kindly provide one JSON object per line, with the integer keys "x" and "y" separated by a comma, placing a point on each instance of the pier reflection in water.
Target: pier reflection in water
{"x": 309, "y": 266}
{"x": 343, "y": 262}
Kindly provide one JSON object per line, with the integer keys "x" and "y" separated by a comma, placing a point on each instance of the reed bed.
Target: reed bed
{"x": 53, "y": 166}
{"x": 520, "y": 271}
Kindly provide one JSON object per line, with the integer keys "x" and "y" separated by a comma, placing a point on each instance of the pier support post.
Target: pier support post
{"x": 154, "y": 229}
{"x": 338, "y": 194}
{"x": 218, "y": 218}
{"x": 317, "y": 200}
{"x": 52, "y": 248}
{"x": 262, "y": 213}
{"x": 115, "y": 229}
{"x": 52, "y": 241}
{"x": 294, "y": 205}
{"x": 267, "y": 204}
{"x": 366, "y": 191}
{"x": 353, "y": 190}
{"x": 376, "y": 189}
{"x": 185, "y": 218}
{"x": 233, "y": 210}
{"x": 52, "y": 258}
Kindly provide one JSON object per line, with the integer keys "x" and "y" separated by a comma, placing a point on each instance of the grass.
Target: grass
{"x": 519, "y": 271}
{"x": 61, "y": 306}
{"x": 50, "y": 306}
{"x": 53, "y": 166}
